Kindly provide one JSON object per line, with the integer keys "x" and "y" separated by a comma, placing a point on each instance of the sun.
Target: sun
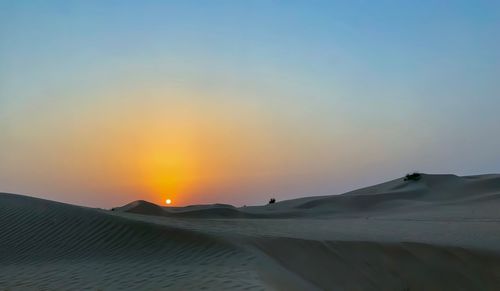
{"x": 168, "y": 201}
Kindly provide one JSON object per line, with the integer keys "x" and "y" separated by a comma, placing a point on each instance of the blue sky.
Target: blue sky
{"x": 327, "y": 95}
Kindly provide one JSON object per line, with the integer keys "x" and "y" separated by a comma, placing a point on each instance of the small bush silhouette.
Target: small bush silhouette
{"x": 413, "y": 177}
{"x": 272, "y": 200}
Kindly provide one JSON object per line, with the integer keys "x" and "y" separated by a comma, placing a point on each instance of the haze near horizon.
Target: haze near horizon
{"x": 105, "y": 102}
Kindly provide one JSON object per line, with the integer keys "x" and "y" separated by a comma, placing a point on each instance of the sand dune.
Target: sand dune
{"x": 337, "y": 265}
{"x": 199, "y": 211}
{"x": 438, "y": 233}
{"x": 429, "y": 192}
{"x": 57, "y": 246}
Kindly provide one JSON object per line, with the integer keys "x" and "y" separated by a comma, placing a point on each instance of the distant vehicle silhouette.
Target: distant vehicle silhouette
{"x": 272, "y": 200}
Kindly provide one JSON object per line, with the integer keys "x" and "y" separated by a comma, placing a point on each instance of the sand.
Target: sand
{"x": 439, "y": 233}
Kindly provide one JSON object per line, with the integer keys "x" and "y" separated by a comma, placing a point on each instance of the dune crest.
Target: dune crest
{"x": 431, "y": 190}
{"x": 437, "y": 233}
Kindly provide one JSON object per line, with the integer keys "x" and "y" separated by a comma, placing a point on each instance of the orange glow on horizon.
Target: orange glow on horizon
{"x": 168, "y": 166}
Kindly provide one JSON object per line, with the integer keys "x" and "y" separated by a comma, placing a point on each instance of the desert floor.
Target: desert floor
{"x": 441, "y": 232}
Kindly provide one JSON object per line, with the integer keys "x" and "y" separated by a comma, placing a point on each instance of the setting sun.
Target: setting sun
{"x": 168, "y": 201}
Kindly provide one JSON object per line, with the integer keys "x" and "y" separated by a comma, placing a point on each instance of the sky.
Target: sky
{"x": 106, "y": 102}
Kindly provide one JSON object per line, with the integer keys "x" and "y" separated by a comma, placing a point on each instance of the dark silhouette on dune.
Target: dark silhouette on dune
{"x": 413, "y": 177}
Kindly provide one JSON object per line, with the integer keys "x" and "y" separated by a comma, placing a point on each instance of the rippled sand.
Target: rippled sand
{"x": 439, "y": 233}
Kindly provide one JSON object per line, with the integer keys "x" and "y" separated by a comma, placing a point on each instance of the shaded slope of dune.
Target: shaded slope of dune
{"x": 194, "y": 211}
{"x": 142, "y": 207}
{"x": 197, "y": 211}
{"x": 214, "y": 212}
{"x": 333, "y": 265}
{"x": 438, "y": 233}
{"x": 44, "y": 240}
{"x": 66, "y": 231}
{"x": 429, "y": 191}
